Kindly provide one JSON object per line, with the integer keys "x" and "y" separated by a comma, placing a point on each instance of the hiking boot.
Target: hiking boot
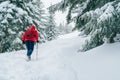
{"x": 29, "y": 57}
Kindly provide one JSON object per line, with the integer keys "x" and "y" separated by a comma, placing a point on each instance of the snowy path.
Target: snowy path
{"x": 49, "y": 66}
{"x": 59, "y": 60}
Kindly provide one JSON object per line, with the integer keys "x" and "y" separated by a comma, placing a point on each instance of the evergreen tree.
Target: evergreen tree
{"x": 64, "y": 28}
{"x": 51, "y": 29}
{"x": 61, "y": 28}
{"x": 15, "y": 18}
{"x": 96, "y": 18}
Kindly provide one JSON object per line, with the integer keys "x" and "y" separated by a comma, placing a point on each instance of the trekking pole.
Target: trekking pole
{"x": 37, "y": 52}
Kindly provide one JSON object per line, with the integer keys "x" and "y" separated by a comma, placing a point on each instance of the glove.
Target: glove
{"x": 38, "y": 41}
{"x": 23, "y": 42}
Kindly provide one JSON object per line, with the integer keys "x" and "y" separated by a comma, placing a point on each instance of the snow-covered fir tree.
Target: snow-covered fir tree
{"x": 61, "y": 28}
{"x": 64, "y": 28}
{"x": 99, "y": 19}
{"x": 51, "y": 30}
{"x": 15, "y": 18}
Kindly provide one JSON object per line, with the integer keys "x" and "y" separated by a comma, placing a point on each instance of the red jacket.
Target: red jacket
{"x": 35, "y": 38}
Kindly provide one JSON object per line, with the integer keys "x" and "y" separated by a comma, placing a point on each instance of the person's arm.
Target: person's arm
{"x": 36, "y": 36}
{"x": 23, "y": 38}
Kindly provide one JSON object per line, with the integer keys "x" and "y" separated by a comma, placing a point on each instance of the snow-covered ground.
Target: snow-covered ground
{"x": 60, "y": 60}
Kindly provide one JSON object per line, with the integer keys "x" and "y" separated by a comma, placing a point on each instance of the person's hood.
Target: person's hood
{"x": 32, "y": 27}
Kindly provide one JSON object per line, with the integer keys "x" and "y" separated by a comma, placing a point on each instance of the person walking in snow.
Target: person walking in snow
{"x": 29, "y": 38}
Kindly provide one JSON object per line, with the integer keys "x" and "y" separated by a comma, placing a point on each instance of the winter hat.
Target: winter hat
{"x": 32, "y": 27}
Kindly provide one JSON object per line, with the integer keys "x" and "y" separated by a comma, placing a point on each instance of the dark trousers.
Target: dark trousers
{"x": 30, "y": 47}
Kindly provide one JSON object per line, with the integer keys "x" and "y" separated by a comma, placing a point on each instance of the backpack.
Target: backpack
{"x": 29, "y": 34}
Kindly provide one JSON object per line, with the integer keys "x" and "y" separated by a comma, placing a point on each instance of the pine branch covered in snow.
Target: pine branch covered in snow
{"x": 97, "y": 18}
{"x": 100, "y": 24}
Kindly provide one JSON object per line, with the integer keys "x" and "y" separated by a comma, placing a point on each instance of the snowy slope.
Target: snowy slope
{"x": 59, "y": 60}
